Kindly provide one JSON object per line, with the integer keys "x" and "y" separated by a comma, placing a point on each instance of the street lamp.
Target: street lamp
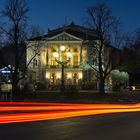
{"x": 62, "y": 63}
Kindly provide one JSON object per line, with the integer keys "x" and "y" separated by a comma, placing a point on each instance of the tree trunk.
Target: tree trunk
{"x": 15, "y": 91}
{"x": 102, "y": 86}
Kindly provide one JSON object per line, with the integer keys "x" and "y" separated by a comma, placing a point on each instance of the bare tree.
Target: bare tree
{"x": 100, "y": 19}
{"x": 15, "y": 14}
{"x": 34, "y": 45}
{"x": 15, "y": 34}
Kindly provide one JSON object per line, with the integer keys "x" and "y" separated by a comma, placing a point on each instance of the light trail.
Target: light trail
{"x": 27, "y": 117}
{"x": 49, "y": 111}
{"x": 54, "y": 107}
{"x": 60, "y": 104}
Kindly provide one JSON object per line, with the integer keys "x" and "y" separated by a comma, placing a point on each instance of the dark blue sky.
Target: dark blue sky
{"x": 55, "y": 13}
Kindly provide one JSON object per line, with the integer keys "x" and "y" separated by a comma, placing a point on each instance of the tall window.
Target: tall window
{"x": 75, "y": 61}
{"x": 53, "y": 61}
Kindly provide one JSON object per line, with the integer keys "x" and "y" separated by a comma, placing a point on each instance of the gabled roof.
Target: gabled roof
{"x": 75, "y": 30}
{"x": 63, "y": 36}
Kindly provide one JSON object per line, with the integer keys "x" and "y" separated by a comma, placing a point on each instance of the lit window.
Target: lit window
{"x": 47, "y": 75}
{"x": 53, "y": 61}
{"x": 58, "y": 75}
{"x": 69, "y": 75}
{"x": 80, "y": 75}
{"x": 75, "y": 60}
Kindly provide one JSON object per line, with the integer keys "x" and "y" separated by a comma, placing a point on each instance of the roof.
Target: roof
{"x": 75, "y": 30}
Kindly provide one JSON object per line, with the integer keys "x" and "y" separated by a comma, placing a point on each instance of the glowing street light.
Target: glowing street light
{"x": 62, "y": 63}
{"x": 62, "y": 48}
{"x": 56, "y": 55}
{"x": 69, "y": 54}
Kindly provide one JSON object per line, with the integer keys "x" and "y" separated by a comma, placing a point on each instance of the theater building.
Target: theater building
{"x": 67, "y": 45}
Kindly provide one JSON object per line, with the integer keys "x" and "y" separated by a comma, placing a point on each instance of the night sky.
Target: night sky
{"x": 55, "y": 13}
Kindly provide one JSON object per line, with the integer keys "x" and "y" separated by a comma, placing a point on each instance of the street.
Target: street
{"x": 63, "y": 121}
{"x": 121, "y": 126}
{"x": 15, "y": 112}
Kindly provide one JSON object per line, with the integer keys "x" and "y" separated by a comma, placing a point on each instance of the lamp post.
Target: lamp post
{"x": 62, "y": 63}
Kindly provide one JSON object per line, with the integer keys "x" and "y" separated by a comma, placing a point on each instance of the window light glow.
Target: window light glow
{"x": 69, "y": 75}
{"x": 58, "y": 75}
{"x": 47, "y": 75}
{"x": 80, "y": 75}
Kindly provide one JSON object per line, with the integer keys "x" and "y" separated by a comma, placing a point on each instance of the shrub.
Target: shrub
{"x": 89, "y": 86}
{"x": 40, "y": 86}
{"x": 119, "y": 79}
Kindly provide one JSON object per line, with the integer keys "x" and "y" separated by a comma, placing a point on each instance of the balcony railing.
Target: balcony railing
{"x": 58, "y": 66}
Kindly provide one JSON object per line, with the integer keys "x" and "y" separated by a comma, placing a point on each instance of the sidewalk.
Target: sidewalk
{"x": 85, "y": 96}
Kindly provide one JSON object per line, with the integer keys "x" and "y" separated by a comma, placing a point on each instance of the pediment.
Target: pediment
{"x": 64, "y": 37}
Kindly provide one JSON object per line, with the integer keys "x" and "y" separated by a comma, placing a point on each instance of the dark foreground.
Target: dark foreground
{"x": 121, "y": 126}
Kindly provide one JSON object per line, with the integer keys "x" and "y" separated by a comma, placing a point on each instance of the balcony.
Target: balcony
{"x": 59, "y": 66}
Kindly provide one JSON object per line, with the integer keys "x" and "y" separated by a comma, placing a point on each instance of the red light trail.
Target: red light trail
{"x": 12, "y": 112}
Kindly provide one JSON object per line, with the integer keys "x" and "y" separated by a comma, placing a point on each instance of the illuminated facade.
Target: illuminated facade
{"x": 69, "y": 44}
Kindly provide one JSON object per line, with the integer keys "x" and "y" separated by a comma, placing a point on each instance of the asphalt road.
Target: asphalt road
{"x": 119, "y": 126}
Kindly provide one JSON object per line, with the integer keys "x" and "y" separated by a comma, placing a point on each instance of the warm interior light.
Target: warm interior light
{"x": 55, "y": 54}
{"x": 80, "y": 75}
{"x": 58, "y": 75}
{"x": 62, "y": 48}
{"x": 47, "y": 75}
{"x": 69, "y": 75}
